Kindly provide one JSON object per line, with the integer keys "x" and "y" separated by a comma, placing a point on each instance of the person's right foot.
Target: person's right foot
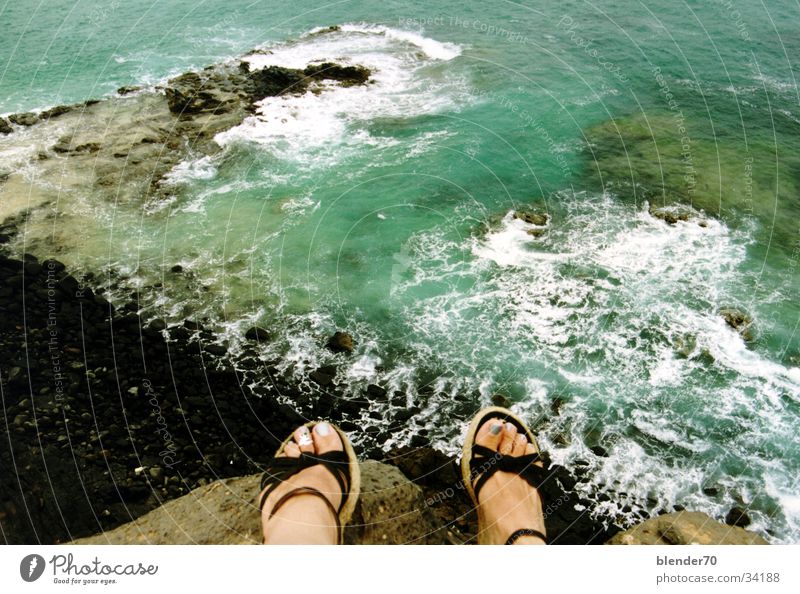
{"x": 507, "y": 502}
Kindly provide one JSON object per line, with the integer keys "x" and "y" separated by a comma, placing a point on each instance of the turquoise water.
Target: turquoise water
{"x": 385, "y": 211}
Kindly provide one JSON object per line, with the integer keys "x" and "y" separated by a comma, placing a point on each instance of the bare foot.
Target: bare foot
{"x": 304, "y": 518}
{"x": 507, "y": 502}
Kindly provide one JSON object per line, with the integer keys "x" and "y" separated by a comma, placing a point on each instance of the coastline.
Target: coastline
{"x": 136, "y": 411}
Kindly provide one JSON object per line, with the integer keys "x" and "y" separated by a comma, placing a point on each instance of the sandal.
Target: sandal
{"x": 479, "y": 463}
{"x": 342, "y": 464}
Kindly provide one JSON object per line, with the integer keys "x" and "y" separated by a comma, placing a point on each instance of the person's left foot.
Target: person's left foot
{"x": 304, "y": 518}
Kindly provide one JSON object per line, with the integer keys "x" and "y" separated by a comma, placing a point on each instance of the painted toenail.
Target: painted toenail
{"x": 305, "y": 436}
{"x": 323, "y": 429}
{"x": 496, "y": 429}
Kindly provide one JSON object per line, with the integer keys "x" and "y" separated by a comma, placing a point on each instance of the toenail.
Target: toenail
{"x": 322, "y": 429}
{"x": 509, "y": 427}
{"x": 305, "y": 436}
{"x": 496, "y": 428}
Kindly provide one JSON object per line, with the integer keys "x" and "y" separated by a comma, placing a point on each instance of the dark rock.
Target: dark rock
{"x": 599, "y": 450}
{"x": 257, "y": 333}
{"x": 24, "y": 119}
{"x": 323, "y": 379}
{"x": 341, "y": 342}
{"x": 5, "y": 128}
{"x": 501, "y": 401}
{"x": 217, "y": 350}
{"x": 128, "y": 89}
{"x": 348, "y": 75}
{"x": 738, "y": 517}
{"x": 56, "y": 111}
{"x": 376, "y": 392}
{"x": 176, "y": 268}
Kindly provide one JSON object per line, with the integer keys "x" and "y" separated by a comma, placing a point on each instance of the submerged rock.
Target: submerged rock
{"x": 341, "y": 342}
{"x": 684, "y": 528}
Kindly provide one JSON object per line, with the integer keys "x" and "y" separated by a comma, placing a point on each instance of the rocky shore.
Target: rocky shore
{"x": 109, "y": 416}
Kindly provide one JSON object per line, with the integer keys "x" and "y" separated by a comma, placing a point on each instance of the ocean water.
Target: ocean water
{"x": 387, "y": 210}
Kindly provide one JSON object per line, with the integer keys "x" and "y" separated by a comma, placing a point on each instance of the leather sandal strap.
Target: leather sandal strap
{"x": 316, "y": 493}
{"x": 283, "y": 468}
{"x": 517, "y": 534}
{"x": 485, "y": 462}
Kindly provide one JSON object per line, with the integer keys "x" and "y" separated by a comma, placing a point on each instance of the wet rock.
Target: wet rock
{"x": 739, "y": 321}
{"x": 684, "y": 528}
{"x": 532, "y": 218}
{"x": 674, "y": 213}
{"x": 217, "y": 350}
{"x": 23, "y": 119}
{"x": 176, "y": 268}
{"x": 376, "y": 392}
{"x": 276, "y": 80}
{"x": 501, "y": 400}
{"x": 257, "y": 333}
{"x": 738, "y": 517}
{"x": 5, "y": 128}
{"x": 321, "y": 378}
{"x": 347, "y": 75}
{"x": 341, "y": 342}
{"x": 190, "y": 94}
{"x": 56, "y": 111}
{"x": 128, "y": 89}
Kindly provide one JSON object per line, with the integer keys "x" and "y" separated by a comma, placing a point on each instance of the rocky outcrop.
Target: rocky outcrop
{"x": 391, "y": 510}
{"x": 5, "y": 127}
{"x": 684, "y": 528}
{"x": 23, "y": 119}
{"x": 674, "y": 213}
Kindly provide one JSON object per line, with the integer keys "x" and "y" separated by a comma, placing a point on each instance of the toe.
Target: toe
{"x": 509, "y": 435}
{"x": 291, "y": 450}
{"x": 520, "y": 445}
{"x": 490, "y": 434}
{"x": 302, "y": 437}
{"x": 326, "y": 439}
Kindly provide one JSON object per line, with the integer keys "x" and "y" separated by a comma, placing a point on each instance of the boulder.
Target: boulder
{"x": 532, "y": 218}
{"x": 390, "y": 510}
{"x": 683, "y": 528}
{"x": 737, "y": 517}
{"x": 5, "y": 127}
{"x": 341, "y": 342}
{"x": 257, "y": 333}
{"x": 739, "y": 321}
